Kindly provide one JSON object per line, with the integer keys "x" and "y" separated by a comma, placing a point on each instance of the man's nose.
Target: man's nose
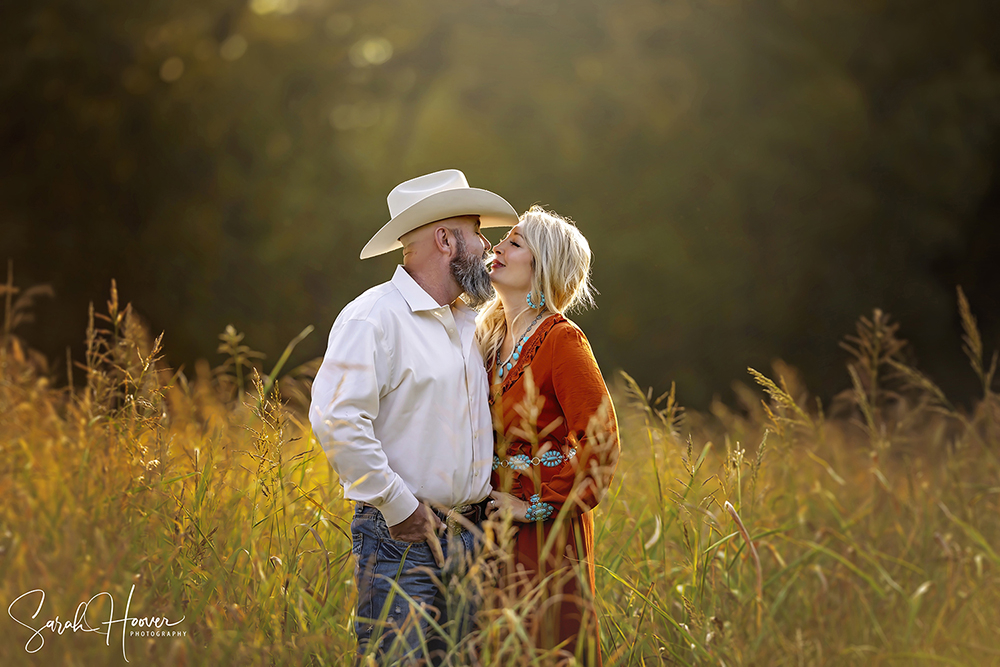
{"x": 487, "y": 246}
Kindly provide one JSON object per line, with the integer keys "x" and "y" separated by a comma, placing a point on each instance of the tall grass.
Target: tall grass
{"x": 778, "y": 532}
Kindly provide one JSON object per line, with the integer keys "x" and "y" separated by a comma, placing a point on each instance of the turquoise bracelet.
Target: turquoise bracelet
{"x": 538, "y": 511}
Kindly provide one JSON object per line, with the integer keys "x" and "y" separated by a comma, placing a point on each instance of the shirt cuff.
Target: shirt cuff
{"x": 400, "y": 507}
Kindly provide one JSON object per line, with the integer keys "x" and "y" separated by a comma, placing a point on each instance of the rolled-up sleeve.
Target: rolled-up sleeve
{"x": 346, "y": 393}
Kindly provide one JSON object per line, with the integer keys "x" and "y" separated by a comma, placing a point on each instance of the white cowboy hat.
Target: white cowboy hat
{"x": 426, "y": 199}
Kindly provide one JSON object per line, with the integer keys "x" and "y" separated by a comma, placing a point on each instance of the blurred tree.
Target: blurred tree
{"x": 751, "y": 175}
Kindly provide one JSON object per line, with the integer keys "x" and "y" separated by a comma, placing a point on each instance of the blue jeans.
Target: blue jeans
{"x": 389, "y": 625}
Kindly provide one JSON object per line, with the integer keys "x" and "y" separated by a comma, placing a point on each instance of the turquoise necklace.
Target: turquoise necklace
{"x": 505, "y": 367}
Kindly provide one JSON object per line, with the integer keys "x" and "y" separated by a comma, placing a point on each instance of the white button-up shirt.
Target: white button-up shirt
{"x": 400, "y": 401}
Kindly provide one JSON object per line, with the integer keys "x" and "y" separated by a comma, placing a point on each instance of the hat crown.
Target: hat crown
{"x": 408, "y": 193}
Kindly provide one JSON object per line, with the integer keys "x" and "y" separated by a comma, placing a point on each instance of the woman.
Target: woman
{"x": 556, "y": 431}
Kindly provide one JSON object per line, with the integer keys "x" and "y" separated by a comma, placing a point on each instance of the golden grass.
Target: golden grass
{"x": 864, "y": 532}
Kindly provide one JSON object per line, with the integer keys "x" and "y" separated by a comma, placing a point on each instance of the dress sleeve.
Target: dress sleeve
{"x": 592, "y": 427}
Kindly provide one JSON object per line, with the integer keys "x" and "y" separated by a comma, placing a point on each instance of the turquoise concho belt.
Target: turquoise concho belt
{"x": 549, "y": 459}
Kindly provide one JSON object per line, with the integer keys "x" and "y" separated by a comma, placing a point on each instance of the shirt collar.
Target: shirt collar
{"x": 464, "y": 312}
{"x": 412, "y": 292}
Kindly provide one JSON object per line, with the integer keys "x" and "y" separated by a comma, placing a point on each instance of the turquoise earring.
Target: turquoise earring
{"x": 531, "y": 304}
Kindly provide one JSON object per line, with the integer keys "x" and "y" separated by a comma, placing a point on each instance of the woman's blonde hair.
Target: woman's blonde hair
{"x": 561, "y": 271}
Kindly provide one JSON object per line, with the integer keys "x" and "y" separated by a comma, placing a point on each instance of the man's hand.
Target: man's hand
{"x": 422, "y": 525}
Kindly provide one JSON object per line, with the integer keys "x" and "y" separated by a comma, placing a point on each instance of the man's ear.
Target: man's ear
{"x": 443, "y": 241}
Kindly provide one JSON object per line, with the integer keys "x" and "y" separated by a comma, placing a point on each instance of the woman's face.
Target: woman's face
{"x": 512, "y": 262}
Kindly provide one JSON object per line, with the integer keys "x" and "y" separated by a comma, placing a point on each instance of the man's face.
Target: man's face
{"x": 468, "y": 266}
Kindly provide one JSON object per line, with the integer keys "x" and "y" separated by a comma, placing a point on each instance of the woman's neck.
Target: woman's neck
{"x": 516, "y": 312}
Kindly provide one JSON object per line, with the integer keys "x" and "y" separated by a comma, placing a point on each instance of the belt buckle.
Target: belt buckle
{"x": 451, "y": 520}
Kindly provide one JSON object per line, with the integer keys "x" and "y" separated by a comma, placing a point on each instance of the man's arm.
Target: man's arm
{"x": 345, "y": 401}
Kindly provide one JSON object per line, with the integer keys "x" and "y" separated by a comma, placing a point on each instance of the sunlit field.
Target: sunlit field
{"x": 780, "y": 531}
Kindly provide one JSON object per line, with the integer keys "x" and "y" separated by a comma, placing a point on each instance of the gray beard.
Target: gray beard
{"x": 471, "y": 274}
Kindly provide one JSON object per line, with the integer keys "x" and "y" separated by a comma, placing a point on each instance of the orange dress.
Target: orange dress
{"x": 557, "y": 447}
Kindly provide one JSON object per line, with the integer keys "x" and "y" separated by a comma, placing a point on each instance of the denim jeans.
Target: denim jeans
{"x": 382, "y": 563}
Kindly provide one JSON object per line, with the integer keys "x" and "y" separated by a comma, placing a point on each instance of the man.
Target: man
{"x": 400, "y": 403}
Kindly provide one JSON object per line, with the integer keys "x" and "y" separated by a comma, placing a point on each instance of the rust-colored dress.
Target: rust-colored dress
{"x": 557, "y": 447}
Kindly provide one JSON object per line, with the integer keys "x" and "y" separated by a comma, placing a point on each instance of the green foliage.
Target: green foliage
{"x": 751, "y": 175}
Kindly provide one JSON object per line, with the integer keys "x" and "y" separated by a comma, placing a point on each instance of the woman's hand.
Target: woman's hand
{"x": 502, "y": 503}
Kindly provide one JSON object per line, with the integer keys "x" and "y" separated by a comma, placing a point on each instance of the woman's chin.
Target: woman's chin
{"x": 499, "y": 282}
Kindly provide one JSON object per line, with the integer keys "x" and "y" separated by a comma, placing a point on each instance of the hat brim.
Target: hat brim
{"x": 492, "y": 209}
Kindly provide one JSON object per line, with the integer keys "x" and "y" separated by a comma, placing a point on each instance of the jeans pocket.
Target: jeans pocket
{"x": 415, "y": 554}
{"x": 358, "y": 544}
{"x": 360, "y": 525}
{"x": 382, "y": 529}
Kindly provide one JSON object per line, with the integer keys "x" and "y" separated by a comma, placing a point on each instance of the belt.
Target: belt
{"x": 549, "y": 459}
{"x": 458, "y": 518}
{"x": 462, "y": 517}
